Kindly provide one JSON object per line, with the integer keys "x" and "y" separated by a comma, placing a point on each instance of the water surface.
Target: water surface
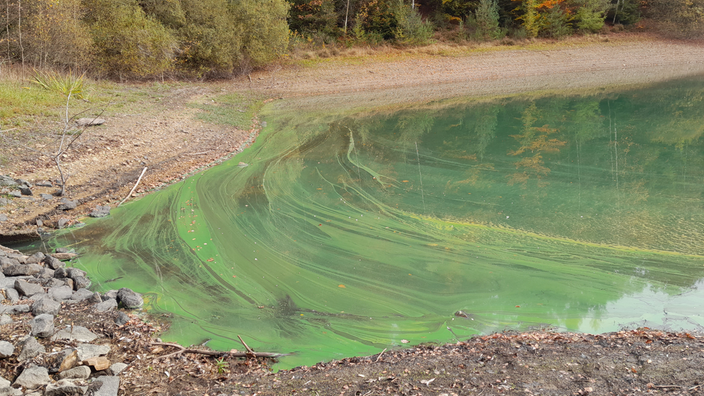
{"x": 348, "y": 234}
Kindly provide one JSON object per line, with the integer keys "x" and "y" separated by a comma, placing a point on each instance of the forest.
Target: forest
{"x": 134, "y": 39}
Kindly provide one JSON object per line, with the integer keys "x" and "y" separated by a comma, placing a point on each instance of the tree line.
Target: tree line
{"x": 214, "y": 38}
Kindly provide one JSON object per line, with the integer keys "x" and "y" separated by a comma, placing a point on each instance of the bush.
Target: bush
{"x": 411, "y": 29}
{"x": 556, "y": 23}
{"x": 680, "y": 18}
{"x": 264, "y": 31}
{"x": 590, "y": 15}
{"x": 486, "y": 19}
{"x": 313, "y": 17}
{"x": 128, "y": 43}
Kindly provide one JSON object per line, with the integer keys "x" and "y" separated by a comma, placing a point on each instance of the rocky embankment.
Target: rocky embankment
{"x": 43, "y": 349}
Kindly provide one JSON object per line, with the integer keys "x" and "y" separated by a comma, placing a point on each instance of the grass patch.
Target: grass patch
{"x": 232, "y": 109}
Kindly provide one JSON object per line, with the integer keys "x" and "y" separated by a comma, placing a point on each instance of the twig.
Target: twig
{"x": 135, "y": 186}
{"x": 245, "y": 344}
{"x": 379, "y": 357}
{"x": 214, "y": 353}
{"x": 667, "y": 386}
{"x": 201, "y": 153}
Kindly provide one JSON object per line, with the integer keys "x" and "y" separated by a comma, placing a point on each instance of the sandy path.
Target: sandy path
{"x": 427, "y": 78}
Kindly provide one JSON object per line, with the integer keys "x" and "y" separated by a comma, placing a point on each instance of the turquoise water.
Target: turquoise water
{"x": 352, "y": 233}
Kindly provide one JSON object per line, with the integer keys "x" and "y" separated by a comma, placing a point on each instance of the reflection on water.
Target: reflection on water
{"x": 346, "y": 235}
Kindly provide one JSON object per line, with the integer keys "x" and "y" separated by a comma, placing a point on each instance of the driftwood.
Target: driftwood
{"x": 133, "y": 188}
{"x": 249, "y": 354}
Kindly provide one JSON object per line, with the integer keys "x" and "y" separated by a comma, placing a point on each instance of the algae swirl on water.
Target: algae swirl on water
{"x": 349, "y": 234}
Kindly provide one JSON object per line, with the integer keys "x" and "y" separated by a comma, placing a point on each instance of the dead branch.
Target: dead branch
{"x": 245, "y": 344}
{"x": 135, "y": 186}
{"x": 247, "y": 354}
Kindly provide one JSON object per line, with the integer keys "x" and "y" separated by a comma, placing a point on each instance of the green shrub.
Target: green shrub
{"x": 486, "y": 18}
{"x": 264, "y": 31}
{"x": 556, "y": 23}
{"x": 411, "y": 29}
{"x": 590, "y": 15}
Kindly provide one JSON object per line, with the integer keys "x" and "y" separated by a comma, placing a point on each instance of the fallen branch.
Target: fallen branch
{"x": 247, "y": 354}
{"x": 245, "y": 344}
{"x": 133, "y": 188}
{"x": 379, "y": 357}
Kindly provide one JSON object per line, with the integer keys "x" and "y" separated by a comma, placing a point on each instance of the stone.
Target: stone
{"x": 46, "y": 305}
{"x": 8, "y": 261}
{"x": 35, "y": 258}
{"x": 65, "y": 256}
{"x": 74, "y": 273}
{"x": 61, "y": 250}
{"x": 54, "y": 360}
{"x": 107, "y": 305}
{"x": 80, "y": 372}
{"x": 77, "y": 333}
{"x": 90, "y": 121}
{"x": 49, "y": 283}
{"x": 5, "y": 319}
{"x": 12, "y": 295}
{"x": 129, "y": 299}
{"x": 100, "y": 211}
{"x": 33, "y": 377}
{"x": 6, "y": 349}
{"x": 22, "y": 269}
{"x": 25, "y": 190}
{"x": 110, "y": 386}
{"x": 46, "y": 197}
{"x": 69, "y": 362}
{"x": 61, "y": 293}
{"x": 121, "y": 319}
{"x": 99, "y": 363}
{"x": 7, "y": 181}
{"x": 53, "y": 263}
{"x": 87, "y": 351}
{"x": 30, "y": 348}
{"x": 45, "y": 273}
{"x": 110, "y": 294}
{"x": 43, "y": 325}
{"x": 28, "y": 289}
{"x": 63, "y": 388}
{"x": 4, "y": 201}
{"x": 67, "y": 204}
{"x": 82, "y": 294}
{"x": 15, "y": 309}
{"x": 95, "y": 298}
{"x": 63, "y": 222}
{"x": 117, "y": 368}
{"x": 81, "y": 282}
{"x": 37, "y": 297}
{"x": 43, "y": 183}
{"x": 8, "y": 391}
{"x": 3, "y": 217}
{"x": 61, "y": 273}
{"x": 5, "y": 383}
{"x": 15, "y": 193}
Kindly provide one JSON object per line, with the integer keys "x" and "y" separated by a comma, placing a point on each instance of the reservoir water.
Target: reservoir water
{"x": 354, "y": 232}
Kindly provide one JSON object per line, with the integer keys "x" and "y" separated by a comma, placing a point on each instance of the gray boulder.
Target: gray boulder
{"x": 8, "y": 261}
{"x": 77, "y": 333}
{"x": 81, "y": 294}
{"x": 53, "y": 263}
{"x": 28, "y": 289}
{"x": 14, "y": 309}
{"x": 3, "y": 217}
{"x": 90, "y": 121}
{"x": 121, "y": 319}
{"x": 15, "y": 193}
{"x": 129, "y": 299}
{"x": 33, "y": 377}
{"x": 81, "y": 282}
{"x": 46, "y": 197}
{"x": 7, "y": 181}
{"x": 30, "y": 348}
{"x": 5, "y": 319}
{"x": 22, "y": 269}
{"x": 25, "y": 190}
{"x": 117, "y": 368}
{"x": 61, "y": 293}
{"x": 35, "y": 258}
{"x": 6, "y": 349}
{"x": 43, "y": 325}
{"x": 4, "y": 383}
{"x": 80, "y": 372}
{"x": 110, "y": 386}
{"x": 109, "y": 294}
{"x": 46, "y": 305}
{"x": 8, "y": 391}
{"x": 12, "y": 295}
{"x": 67, "y": 204}
{"x": 107, "y": 305}
{"x": 61, "y": 273}
{"x": 51, "y": 283}
{"x": 45, "y": 274}
{"x": 87, "y": 351}
{"x": 63, "y": 223}
{"x": 63, "y": 388}
{"x": 74, "y": 273}
{"x": 100, "y": 211}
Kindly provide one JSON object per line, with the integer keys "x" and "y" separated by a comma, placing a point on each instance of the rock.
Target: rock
{"x": 110, "y": 386}
{"x": 54, "y": 283}
{"x": 64, "y": 256}
{"x": 8, "y": 391}
{"x": 46, "y": 305}
{"x": 61, "y": 250}
{"x": 69, "y": 362}
{"x": 5, "y": 319}
{"x": 63, "y": 388}
{"x": 73, "y": 273}
{"x": 117, "y": 368}
{"x": 43, "y": 325}
{"x": 45, "y": 274}
{"x": 7, "y": 181}
{"x": 80, "y": 372}
{"x": 15, "y": 193}
{"x": 62, "y": 223}
{"x": 35, "y": 258}
{"x": 87, "y": 351}
{"x": 37, "y": 297}
{"x": 99, "y": 363}
{"x": 6, "y": 349}
{"x": 33, "y": 377}
{"x": 53, "y": 263}
{"x": 5, "y": 383}
{"x": 12, "y": 295}
{"x": 43, "y": 183}
{"x": 3, "y": 217}
{"x": 54, "y": 360}
{"x": 110, "y": 294}
{"x": 46, "y": 197}
{"x": 95, "y": 298}
{"x": 77, "y": 333}
{"x": 81, "y": 294}
{"x": 22, "y": 269}
{"x": 7, "y": 261}
{"x": 129, "y": 299}
{"x": 243, "y": 164}
{"x": 121, "y": 319}
{"x": 25, "y": 190}
{"x": 100, "y": 211}
{"x": 4, "y": 201}
{"x": 30, "y": 348}
{"x": 90, "y": 121}
{"x": 28, "y": 289}
{"x": 67, "y": 204}
{"x": 81, "y": 282}
{"x": 61, "y": 293}
{"x": 108, "y": 305}
{"x": 14, "y": 309}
